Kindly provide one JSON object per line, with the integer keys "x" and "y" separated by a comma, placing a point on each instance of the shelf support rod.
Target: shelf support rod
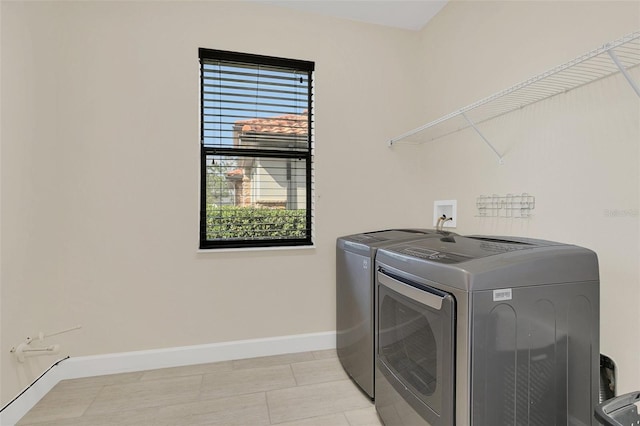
{"x": 472, "y": 124}
{"x": 624, "y": 71}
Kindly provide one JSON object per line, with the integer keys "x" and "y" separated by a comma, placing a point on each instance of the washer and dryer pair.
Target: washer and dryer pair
{"x": 478, "y": 330}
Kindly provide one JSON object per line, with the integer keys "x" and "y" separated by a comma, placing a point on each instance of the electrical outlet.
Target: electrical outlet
{"x": 448, "y": 208}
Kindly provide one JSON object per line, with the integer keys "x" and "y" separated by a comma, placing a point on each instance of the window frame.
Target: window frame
{"x": 305, "y": 155}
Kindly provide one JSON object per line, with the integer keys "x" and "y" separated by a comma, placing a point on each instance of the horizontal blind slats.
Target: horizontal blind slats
{"x": 284, "y": 80}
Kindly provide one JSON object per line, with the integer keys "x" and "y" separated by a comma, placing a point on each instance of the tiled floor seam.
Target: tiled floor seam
{"x": 92, "y": 401}
{"x": 293, "y": 374}
{"x": 266, "y": 401}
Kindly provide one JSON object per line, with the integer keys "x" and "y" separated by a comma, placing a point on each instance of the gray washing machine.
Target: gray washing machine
{"x": 355, "y": 307}
{"x": 486, "y": 331}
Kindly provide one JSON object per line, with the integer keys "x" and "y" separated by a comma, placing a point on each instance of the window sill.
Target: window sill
{"x": 247, "y": 249}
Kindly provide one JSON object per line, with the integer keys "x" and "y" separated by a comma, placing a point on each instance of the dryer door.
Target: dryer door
{"x": 416, "y": 334}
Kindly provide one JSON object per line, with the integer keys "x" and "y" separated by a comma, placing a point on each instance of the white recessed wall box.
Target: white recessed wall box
{"x": 448, "y": 208}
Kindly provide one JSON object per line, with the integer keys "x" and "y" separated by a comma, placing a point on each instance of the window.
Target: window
{"x": 256, "y": 150}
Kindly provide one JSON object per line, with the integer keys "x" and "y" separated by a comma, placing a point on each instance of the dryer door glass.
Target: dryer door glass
{"x": 409, "y": 346}
{"x": 415, "y": 342}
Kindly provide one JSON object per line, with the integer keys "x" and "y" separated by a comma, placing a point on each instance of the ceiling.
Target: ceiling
{"x": 405, "y": 14}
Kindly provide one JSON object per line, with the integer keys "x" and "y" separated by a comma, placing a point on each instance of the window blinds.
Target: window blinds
{"x": 256, "y": 142}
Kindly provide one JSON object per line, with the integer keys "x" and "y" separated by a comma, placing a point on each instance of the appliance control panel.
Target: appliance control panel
{"x": 458, "y": 249}
{"x": 435, "y": 256}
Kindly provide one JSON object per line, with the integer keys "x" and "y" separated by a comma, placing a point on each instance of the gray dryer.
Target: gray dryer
{"x": 487, "y": 331}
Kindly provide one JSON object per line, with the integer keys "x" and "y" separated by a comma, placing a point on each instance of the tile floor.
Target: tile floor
{"x": 302, "y": 389}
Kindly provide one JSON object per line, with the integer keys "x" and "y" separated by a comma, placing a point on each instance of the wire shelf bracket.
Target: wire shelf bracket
{"x": 493, "y": 148}
{"x": 618, "y": 56}
{"x": 624, "y": 71}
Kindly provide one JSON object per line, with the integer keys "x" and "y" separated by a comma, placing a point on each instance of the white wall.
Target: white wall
{"x": 577, "y": 153}
{"x": 100, "y": 160}
{"x": 100, "y": 173}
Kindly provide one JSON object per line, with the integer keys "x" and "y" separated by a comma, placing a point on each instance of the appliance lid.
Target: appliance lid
{"x": 481, "y": 263}
{"x": 374, "y": 237}
{"x": 457, "y": 249}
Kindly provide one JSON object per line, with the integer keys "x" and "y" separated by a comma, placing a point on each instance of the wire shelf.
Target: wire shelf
{"x": 617, "y": 56}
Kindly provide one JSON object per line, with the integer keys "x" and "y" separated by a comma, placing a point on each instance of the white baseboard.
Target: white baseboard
{"x": 16, "y": 409}
{"x": 125, "y": 362}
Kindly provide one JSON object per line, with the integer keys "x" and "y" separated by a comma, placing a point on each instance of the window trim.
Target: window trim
{"x": 306, "y": 155}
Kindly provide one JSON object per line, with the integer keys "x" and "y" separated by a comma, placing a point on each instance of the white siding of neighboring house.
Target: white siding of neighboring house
{"x": 270, "y": 182}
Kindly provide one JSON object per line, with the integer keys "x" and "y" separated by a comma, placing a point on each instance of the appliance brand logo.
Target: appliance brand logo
{"x": 502, "y": 295}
